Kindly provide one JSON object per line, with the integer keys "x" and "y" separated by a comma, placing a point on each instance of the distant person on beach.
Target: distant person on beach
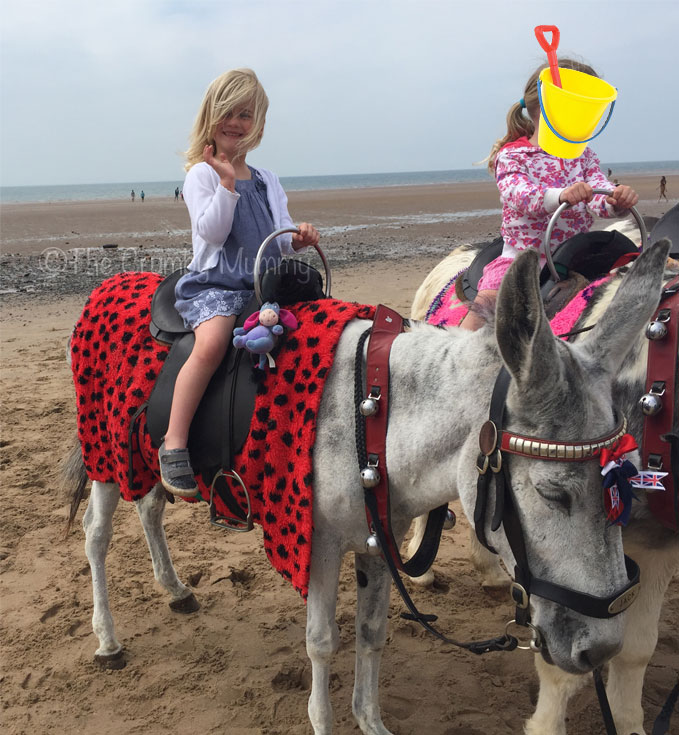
{"x": 663, "y": 188}
{"x": 176, "y": 194}
{"x": 132, "y": 195}
{"x": 532, "y": 185}
{"x": 233, "y": 207}
{"x": 610, "y": 173}
{"x": 142, "y": 195}
{"x": 181, "y": 194}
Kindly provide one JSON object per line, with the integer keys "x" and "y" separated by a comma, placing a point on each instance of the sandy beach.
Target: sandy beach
{"x": 238, "y": 665}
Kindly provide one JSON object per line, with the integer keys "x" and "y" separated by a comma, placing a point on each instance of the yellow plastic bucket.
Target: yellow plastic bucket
{"x": 569, "y": 114}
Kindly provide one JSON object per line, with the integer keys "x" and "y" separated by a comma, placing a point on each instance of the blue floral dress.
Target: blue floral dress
{"x": 225, "y": 289}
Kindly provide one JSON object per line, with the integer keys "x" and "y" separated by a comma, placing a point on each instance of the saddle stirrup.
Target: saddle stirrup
{"x": 231, "y": 523}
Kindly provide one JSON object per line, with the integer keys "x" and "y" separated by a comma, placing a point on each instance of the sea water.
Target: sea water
{"x": 165, "y": 189}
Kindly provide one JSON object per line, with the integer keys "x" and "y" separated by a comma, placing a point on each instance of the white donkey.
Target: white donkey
{"x": 441, "y": 383}
{"x": 653, "y": 547}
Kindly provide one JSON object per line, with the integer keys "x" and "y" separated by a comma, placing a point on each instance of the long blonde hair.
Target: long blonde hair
{"x": 519, "y": 124}
{"x": 233, "y": 89}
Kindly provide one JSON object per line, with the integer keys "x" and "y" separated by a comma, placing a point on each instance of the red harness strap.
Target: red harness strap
{"x": 661, "y": 371}
{"x": 387, "y": 325}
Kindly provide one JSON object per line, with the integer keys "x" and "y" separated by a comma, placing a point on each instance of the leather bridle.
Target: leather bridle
{"x": 495, "y": 442}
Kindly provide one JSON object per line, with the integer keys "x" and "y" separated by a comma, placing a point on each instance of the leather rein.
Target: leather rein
{"x": 371, "y": 436}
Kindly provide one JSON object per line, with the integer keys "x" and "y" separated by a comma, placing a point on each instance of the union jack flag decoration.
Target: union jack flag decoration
{"x": 649, "y": 480}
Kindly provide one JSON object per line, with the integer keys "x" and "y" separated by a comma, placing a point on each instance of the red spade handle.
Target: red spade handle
{"x": 550, "y": 48}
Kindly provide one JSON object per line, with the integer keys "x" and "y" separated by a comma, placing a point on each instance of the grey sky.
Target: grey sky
{"x": 104, "y": 92}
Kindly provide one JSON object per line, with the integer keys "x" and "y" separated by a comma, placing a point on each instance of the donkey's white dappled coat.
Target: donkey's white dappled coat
{"x": 441, "y": 382}
{"x": 653, "y": 547}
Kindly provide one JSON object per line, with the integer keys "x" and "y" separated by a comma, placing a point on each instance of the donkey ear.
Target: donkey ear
{"x": 523, "y": 334}
{"x": 633, "y": 305}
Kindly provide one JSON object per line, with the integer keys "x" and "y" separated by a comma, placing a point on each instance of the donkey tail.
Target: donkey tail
{"x": 74, "y": 479}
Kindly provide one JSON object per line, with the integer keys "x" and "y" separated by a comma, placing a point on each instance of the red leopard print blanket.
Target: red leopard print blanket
{"x": 115, "y": 363}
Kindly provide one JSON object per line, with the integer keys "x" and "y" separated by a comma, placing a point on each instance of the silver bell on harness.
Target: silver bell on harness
{"x": 657, "y": 329}
{"x": 370, "y": 477}
{"x": 450, "y": 521}
{"x": 369, "y": 406}
{"x": 372, "y": 545}
{"x": 651, "y": 403}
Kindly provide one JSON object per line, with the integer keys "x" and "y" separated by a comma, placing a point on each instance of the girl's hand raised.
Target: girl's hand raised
{"x": 223, "y": 167}
{"x": 623, "y": 197}
{"x": 307, "y": 235}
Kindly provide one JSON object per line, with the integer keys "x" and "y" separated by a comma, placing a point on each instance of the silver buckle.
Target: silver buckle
{"x": 520, "y": 599}
{"x": 536, "y": 642}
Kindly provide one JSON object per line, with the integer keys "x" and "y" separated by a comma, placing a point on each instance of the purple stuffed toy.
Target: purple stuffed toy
{"x": 258, "y": 333}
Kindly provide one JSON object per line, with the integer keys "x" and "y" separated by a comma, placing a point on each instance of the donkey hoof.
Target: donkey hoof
{"x": 111, "y": 661}
{"x": 186, "y": 605}
{"x": 424, "y": 580}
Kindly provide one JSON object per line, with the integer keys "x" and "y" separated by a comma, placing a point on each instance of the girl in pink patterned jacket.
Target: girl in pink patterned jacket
{"x": 533, "y": 184}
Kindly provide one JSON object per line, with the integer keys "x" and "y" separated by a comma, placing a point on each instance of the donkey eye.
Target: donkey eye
{"x": 553, "y": 495}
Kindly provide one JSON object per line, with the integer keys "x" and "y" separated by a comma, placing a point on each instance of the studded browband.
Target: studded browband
{"x": 560, "y": 451}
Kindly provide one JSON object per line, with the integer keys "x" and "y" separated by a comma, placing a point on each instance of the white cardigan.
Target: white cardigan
{"x": 211, "y": 207}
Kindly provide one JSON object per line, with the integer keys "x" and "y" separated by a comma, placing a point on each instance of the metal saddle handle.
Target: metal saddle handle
{"x": 547, "y": 251}
{"x": 260, "y": 257}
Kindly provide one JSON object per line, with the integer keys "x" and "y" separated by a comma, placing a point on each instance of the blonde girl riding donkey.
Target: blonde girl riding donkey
{"x": 533, "y": 184}
{"x": 233, "y": 207}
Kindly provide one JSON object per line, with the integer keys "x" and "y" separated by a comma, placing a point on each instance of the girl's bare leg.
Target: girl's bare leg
{"x": 473, "y": 320}
{"x": 212, "y": 339}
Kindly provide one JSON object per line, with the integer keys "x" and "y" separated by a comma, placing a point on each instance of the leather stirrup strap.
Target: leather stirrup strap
{"x": 133, "y": 433}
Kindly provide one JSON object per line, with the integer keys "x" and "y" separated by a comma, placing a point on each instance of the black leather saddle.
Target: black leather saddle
{"x": 222, "y": 421}
{"x": 592, "y": 254}
{"x": 471, "y": 277}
